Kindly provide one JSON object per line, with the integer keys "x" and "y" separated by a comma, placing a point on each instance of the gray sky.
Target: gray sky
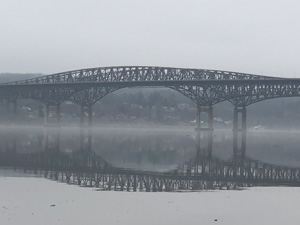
{"x": 49, "y": 36}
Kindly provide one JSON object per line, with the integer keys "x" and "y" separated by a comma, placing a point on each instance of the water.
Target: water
{"x": 175, "y": 152}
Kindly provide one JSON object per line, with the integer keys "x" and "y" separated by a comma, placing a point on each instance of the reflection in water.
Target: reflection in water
{"x": 153, "y": 159}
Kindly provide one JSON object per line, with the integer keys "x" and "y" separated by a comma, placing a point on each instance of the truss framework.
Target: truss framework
{"x": 204, "y": 87}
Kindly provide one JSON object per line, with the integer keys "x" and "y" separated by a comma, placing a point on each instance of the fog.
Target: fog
{"x": 259, "y": 37}
{"x": 151, "y": 148}
{"x": 149, "y": 139}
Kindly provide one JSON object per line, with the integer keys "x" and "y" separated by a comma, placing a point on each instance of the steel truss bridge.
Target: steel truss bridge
{"x": 87, "y": 169}
{"x": 204, "y": 87}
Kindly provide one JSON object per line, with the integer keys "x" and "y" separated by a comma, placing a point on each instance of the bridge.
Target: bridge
{"x": 88, "y": 169}
{"x": 204, "y": 87}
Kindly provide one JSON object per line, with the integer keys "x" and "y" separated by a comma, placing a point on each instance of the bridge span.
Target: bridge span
{"x": 204, "y": 87}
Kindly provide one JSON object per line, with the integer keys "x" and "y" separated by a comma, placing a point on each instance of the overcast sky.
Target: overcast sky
{"x": 49, "y": 36}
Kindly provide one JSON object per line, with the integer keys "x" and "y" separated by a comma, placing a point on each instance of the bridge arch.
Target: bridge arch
{"x": 203, "y": 95}
{"x": 203, "y": 87}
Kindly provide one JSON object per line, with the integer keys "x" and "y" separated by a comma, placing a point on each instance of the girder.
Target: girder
{"x": 204, "y": 87}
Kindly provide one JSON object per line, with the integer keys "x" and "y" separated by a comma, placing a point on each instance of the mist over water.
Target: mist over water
{"x": 151, "y": 148}
{"x": 226, "y": 144}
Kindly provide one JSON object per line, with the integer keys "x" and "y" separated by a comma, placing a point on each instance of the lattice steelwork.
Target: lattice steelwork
{"x": 137, "y": 73}
{"x": 204, "y": 87}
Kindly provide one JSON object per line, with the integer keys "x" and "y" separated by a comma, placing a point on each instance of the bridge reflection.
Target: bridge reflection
{"x": 208, "y": 173}
{"x": 86, "y": 168}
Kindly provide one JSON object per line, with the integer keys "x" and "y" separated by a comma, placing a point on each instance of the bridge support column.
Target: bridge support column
{"x": 204, "y": 132}
{"x": 239, "y": 132}
{"x": 210, "y": 118}
{"x": 11, "y": 106}
{"x": 11, "y": 140}
{"x": 51, "y": 111}
{"x": 51, "y": 139}
{"x": 86, "y": 111}
{"x": 86, "y": 127}
{"x": 46, "y": 139}
{"x": 205, "y": 136}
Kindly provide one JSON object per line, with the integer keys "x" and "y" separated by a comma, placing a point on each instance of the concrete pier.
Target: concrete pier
{"x": 51, "y": 140}
{"x": 86, "y": 116}
{"x": 239, "y": 131}
{"x": 86, "y": 119}
{"x": 210, "y": 118}
{"x": 11, "y": 106}
{"x": 204, "y": 134}
{"x": 52, "y": 111}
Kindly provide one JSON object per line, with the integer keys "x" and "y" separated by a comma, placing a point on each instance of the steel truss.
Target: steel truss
{"x": 204, "y": 87}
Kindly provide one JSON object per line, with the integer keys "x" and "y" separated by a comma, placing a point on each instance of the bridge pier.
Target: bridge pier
{"x": 86, "y": 110}
{"x": 11, "y": 140}
{"x": 85, "y": 139}
{"x": 49, "y": 110}
{"x": 51, "y": 139}
{"x": 11, "y": 106}
{"x": 203, "y": 133}
{"x": 210, "y": 118}
{"x": 239, "y": 132}
{"x": 204, "y": 136}
{"x": 86, "y": 127}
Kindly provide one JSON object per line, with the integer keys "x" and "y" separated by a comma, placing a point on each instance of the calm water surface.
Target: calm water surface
{"x": 151, "y": 148}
